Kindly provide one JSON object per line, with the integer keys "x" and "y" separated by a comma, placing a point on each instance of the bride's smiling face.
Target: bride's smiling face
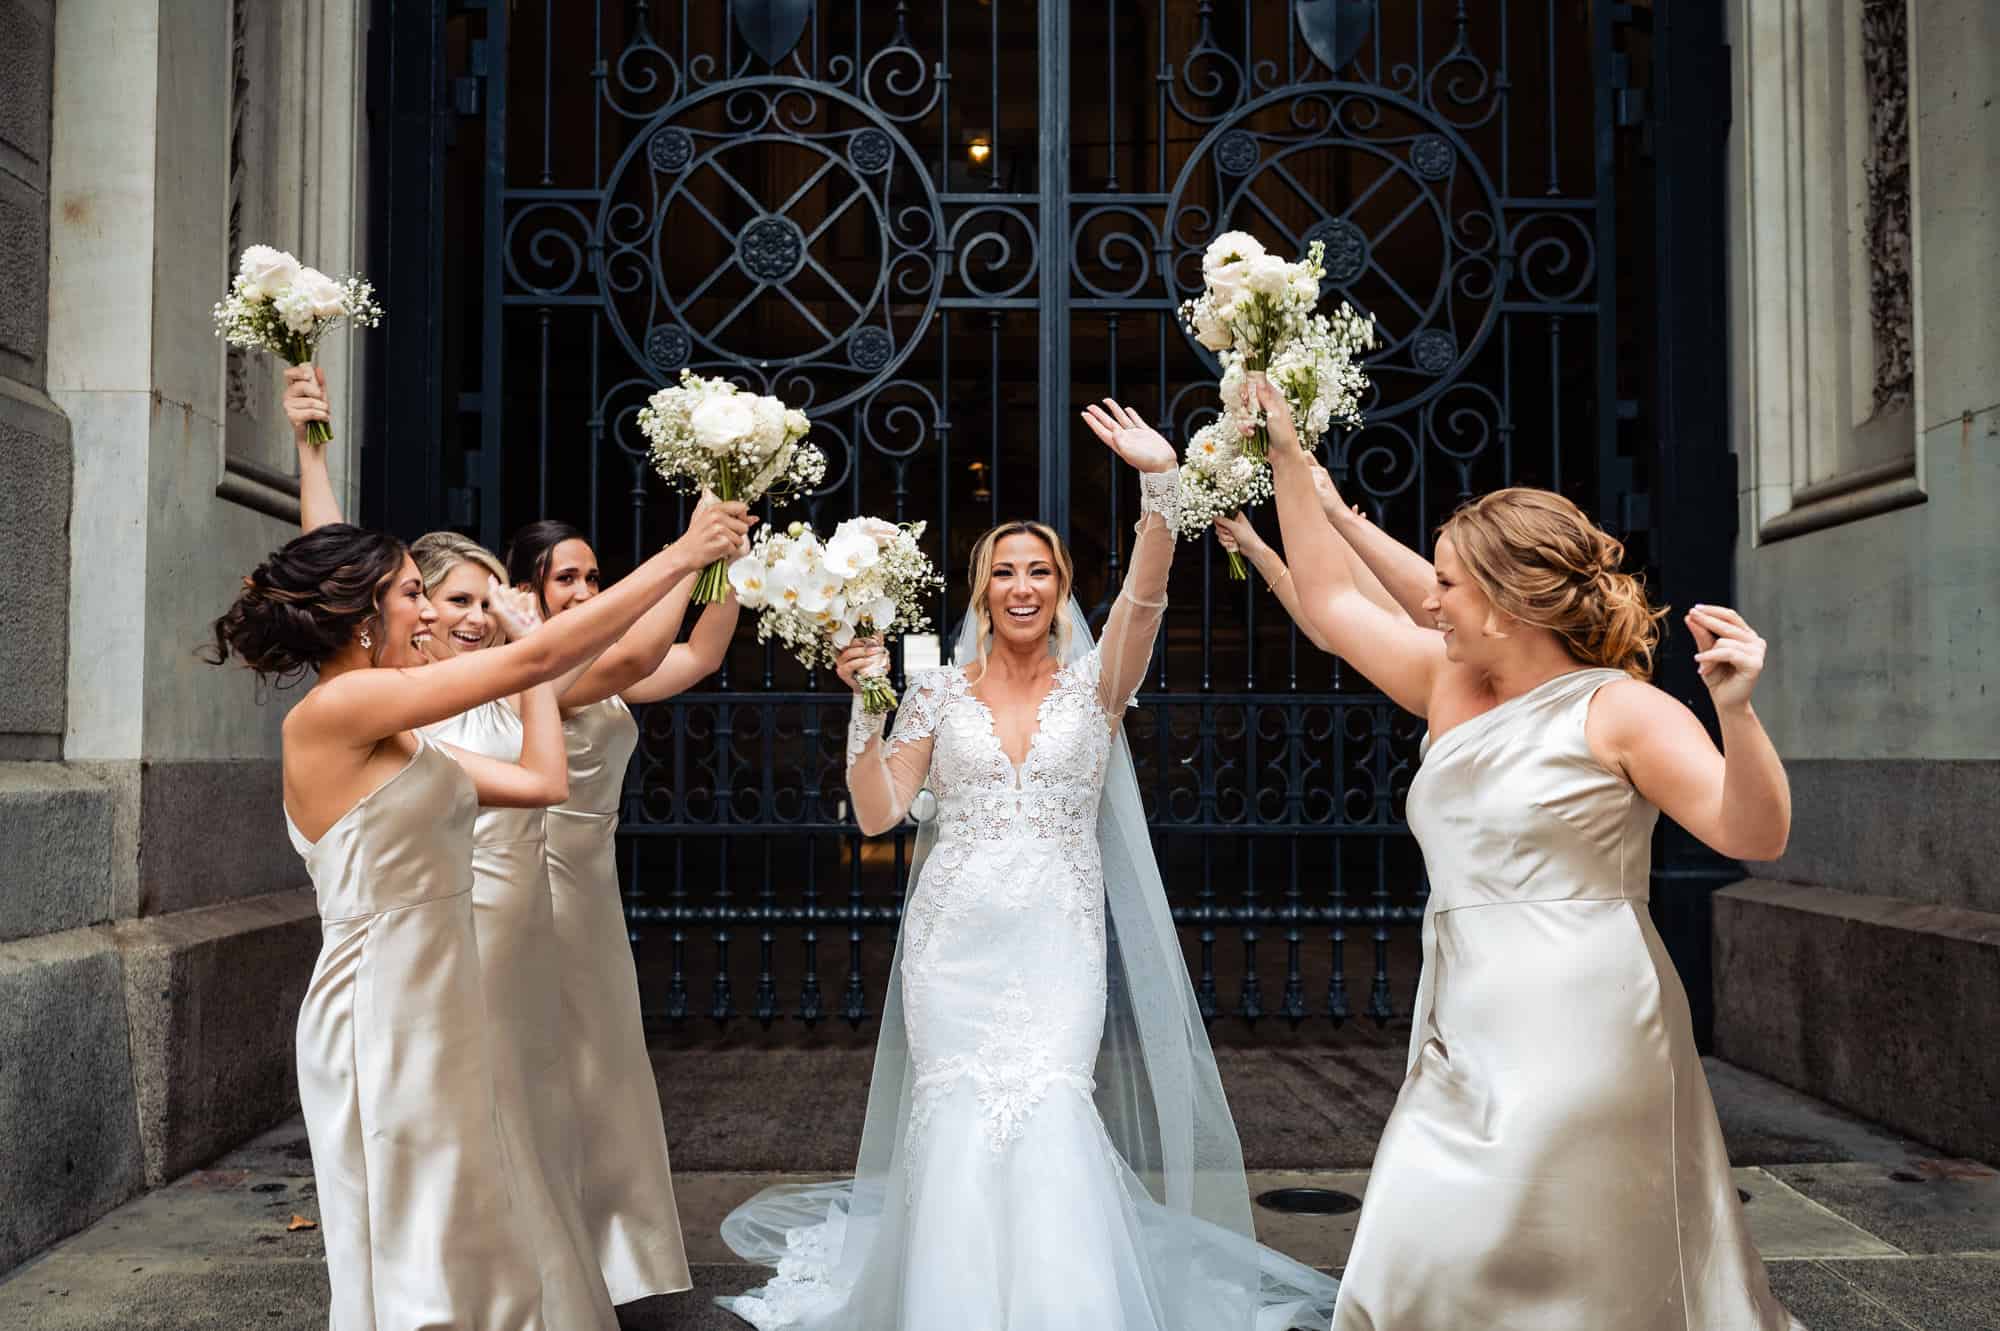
{"x": 1022, "y": 591}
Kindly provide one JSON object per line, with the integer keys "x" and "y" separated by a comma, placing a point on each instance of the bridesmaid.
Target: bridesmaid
{"x": 1553, "y": 1162}
{"x": 395, "y": 1066}
{"x": 623, "y": 1174}
{"x": 514, "y": 926}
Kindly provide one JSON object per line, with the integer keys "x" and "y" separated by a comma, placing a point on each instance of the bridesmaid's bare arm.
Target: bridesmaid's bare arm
{"x": 541, "y": 777}
{"x": 1737, "y": 801}
{"x": 305, "y": 403}
{"x": 1401, "y": 659}
{"x": 688, "y": 663}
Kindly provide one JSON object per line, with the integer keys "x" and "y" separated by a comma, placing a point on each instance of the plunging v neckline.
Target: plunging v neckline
{"x": 993, "y": 723}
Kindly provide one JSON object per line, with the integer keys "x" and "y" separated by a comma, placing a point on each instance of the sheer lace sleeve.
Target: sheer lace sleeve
{"x": 1127, "y": 644}
{"x": 883, "y": 776}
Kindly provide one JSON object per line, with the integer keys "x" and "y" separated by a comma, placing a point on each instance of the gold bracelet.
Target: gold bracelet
{"x": 1284, "y": 571}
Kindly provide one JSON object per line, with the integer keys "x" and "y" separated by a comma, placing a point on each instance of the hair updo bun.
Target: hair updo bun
{"x": 1540, "y": 559}
{"x": 307, "y": 601}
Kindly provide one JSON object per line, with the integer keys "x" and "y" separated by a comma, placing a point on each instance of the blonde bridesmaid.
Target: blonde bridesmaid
{"x": 623, "y": 1173}
{"x": 514, "y": 925}
{"x": 1553, "y": 1162}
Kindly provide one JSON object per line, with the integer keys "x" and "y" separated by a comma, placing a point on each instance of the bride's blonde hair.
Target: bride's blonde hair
{"x": 1539, "y": 558}
{"x": 982, "y": 576}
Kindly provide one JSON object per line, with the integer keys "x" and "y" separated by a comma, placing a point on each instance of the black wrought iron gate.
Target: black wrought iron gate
{"x": 940, "y": 228}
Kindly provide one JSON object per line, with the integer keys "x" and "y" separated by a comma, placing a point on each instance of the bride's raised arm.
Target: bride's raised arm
{"x": 1127, "y": 644}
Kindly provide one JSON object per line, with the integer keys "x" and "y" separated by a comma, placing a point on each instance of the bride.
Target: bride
{"x": 1047, "y": 1143}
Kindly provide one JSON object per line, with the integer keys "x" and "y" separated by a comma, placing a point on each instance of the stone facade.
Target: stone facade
{"x": 1864, "y": 967}
{"x": 156, "y": 934}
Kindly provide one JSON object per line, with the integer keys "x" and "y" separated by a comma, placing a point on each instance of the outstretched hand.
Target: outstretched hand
{"x": 514, "y": 607}
{"x": 305, "y": 400}
{"x": 1730, "y": 653}
{"x": 1126, "y": 433}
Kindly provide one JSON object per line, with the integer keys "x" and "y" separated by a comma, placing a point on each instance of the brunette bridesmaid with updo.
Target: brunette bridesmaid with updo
{"x": 418, "y": 1208}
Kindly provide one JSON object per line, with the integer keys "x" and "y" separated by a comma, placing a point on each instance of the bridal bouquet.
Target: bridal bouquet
{"x": 869, "y": 578}
{"x": 277, "y": 304}
{"x": 1219, "y": 477}
{"x": 707, "y": 434}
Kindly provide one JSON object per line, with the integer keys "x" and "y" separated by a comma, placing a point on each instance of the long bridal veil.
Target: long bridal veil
{"x": 839, "y": 1248}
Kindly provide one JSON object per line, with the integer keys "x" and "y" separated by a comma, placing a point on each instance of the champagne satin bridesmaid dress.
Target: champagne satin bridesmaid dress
{"x": 514, "y": 922}
{"x": 395, "y": 1071}
{"x": 624, "y": 1181}
{"x": 1554, "y": 1161}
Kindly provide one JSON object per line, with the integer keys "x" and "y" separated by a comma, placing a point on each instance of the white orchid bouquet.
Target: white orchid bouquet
{"x": 1219, "y": 476}
{"x": 708, "y": 434}
{"x": 277, "y": 304}
{"x": 870, "y": 578}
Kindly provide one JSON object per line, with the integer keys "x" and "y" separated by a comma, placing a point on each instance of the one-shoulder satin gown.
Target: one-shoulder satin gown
{"x": 395, "y": 1070}
{"x": 624, "y": 1181}
{"x": 514, "y": 921}
{"x": 1553, "y": 1162}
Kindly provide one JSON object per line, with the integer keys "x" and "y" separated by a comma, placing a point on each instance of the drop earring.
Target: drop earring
{"x": 366, "y": 641}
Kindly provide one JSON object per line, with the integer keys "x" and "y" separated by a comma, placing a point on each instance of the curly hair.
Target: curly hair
{"x": 531, "y": 551}
{"x": 1539, "y": 558}
{"x": 307, "y": 601}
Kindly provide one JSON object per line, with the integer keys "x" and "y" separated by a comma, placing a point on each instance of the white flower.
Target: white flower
{"x": 326, "y": 297}
{"x": 750, "y": 578}
{"x": 1230, "y": 247}
{"x": 796, "y": 423}
{"x": 768, "y": 430}
{"x": 1267, "y": 275}
{"x": 268, "y": 272}
{"x": 851, "y": 551}
{"x": 722, "y": 421}
{"x": 1305, "y": 286}
{"x": 1210, "y": 328}
{"x": 882, "y": 614}
{"x": 295, "y": 310}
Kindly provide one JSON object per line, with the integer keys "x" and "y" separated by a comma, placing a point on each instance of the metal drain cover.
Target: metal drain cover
{"x": 1309, "y": 1201}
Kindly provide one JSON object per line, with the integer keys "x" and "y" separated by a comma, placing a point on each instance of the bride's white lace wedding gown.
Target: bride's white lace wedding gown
{"x": 1006, "y": 1203}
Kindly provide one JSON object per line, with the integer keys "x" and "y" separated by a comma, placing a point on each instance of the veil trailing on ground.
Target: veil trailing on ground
{"x": 838, "y": 1247}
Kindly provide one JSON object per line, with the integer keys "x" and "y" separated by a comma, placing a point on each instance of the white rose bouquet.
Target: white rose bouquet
{"x": 869, "y": 578}
{"x": 1219, "y": 476}
{"x": 708, "y": 434}
{"x": 277, "y": 304}
{"x": 1258, "y": 313}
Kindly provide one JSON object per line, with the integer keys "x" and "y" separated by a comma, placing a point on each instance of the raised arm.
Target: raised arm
{"x": 883, "y": 776}
{"x": 637, "y": 654}
{"x": 1239, "y": 533}
{"x": 1127, "y": 644}
{"x": 688, "y": 663}
{"x": 1388, "y": 572}
{"x": 305, "y": 403}
{"x": 1402, "y": 660}
{"x": 541, "y": 777}
{"x": 372, "y": 704}
{"x": 1738, "y": 801}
